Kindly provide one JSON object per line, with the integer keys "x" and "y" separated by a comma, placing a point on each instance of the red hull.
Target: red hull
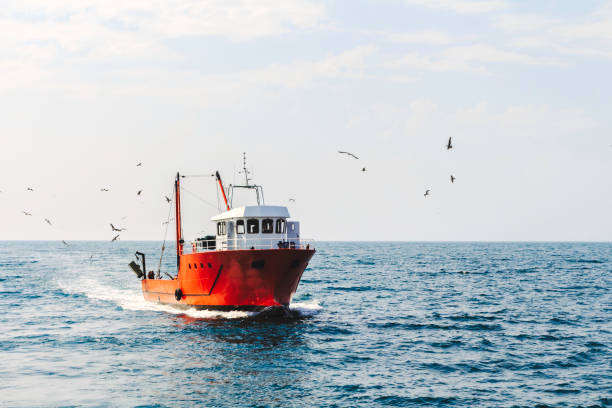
{"x": 234, "y": 279}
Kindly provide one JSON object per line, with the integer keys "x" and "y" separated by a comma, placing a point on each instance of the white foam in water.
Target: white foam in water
{"x": 133, "y": 300}
{"x": 306, "y": 308}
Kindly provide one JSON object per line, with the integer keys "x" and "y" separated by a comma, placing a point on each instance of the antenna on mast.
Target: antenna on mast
{"x": 258, "y": 189}
{"x": 244, "y": 169}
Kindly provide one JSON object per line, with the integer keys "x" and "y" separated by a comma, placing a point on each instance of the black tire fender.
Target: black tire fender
{"x": 178, "y": 294}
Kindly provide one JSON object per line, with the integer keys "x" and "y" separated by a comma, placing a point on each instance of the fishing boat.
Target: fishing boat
{"x": 255, "y": 259}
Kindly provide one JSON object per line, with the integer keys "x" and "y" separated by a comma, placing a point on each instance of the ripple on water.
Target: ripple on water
{"x": 372, "y": 324}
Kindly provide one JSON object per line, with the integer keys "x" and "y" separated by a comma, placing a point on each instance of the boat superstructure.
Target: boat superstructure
{"x": 255, "y": 259}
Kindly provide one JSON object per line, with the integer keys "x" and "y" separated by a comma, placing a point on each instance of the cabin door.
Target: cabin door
{"x": 231, "y": 237}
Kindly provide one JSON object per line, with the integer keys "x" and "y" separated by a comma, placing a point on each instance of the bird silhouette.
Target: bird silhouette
{"x": 104, "y": 189}
{"x": 167, "y": 198}
{"x": 348, "y": 154}
{"x": 65, "y": 243}
{"x": 139, "y": 164}
{"x": 426, "y": 193}
{"x": 115, "y": 229}
{"x": 116, "y": 237}
{"x": 139, "y": 192}
{"x": 292, "y": 199}
{"x": 48, "y": 222}
{"x": 453, "y": 178}
{"x": 363, "y": 169}
{"x": 449, "y": 145}
{"x": 26, "y": 213}
{"x": 30, "y": 189}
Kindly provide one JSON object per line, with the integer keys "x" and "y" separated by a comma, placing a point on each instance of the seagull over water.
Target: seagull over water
{"x": 426, "y": 193}
{"x": 167, "y": 198}
{"x": 453, "y": 178}
{"x": 48, "y": 222}
{"x": 449, "y": 144}
{"x": 104, "y": 189}
{"x": 348, "y": 154}
{"x": 364, "y": 169}
{"x": 139, "y": 192}
{"x": 26, "y": 213}
{"x": 116, "y": 237}
{"x": 64, "y": 242}
{"x": 30, "y": 189}
{"x": 115, "y": 229}
{"x": 139, "y": 164}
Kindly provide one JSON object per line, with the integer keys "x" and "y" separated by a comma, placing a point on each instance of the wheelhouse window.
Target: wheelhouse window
{"x": 267, "y": 226}
{"x": 221, "y": 228}
{"x": 240, "y": 227}
{"x": 281, "y": 226}
{"x": 253, "y": 226}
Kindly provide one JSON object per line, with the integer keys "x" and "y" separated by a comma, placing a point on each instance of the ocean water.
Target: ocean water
{"x": 376, "y": 324}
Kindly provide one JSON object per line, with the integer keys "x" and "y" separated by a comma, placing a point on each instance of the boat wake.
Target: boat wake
{"x": 131, "y": 299}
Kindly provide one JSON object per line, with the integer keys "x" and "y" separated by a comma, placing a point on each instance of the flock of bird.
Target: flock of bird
{"x": 114, "y": 229}
{"x": 449, "y": 146}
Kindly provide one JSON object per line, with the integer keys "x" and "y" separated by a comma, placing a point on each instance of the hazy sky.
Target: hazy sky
{"x": 90, "y": 88}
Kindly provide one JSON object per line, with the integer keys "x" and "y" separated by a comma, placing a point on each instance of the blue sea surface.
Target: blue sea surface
{"x": 376, "y": 324}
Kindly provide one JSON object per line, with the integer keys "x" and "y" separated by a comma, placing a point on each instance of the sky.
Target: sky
{"x": 89, "y": 89}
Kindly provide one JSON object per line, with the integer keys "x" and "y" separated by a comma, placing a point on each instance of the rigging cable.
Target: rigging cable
{"x": 199, "y": 198}
{"x": 164, "y": 243}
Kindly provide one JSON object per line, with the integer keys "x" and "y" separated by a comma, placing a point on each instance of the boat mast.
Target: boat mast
{"x": 222, "y": 189}
{"x": 246, "y": 172}
{"x": 179, "y": 230}
{"x": 244, "y": 169}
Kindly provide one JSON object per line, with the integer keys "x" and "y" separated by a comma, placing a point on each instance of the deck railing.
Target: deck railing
{"x": 248, "y": 243}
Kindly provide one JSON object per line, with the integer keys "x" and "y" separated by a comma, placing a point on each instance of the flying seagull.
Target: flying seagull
{"x": 139, "y": 192}
{"x": 48, "y": 222}
{"x": 116, "y": 237}
{"x": 292, "y": 199}
{"x": 139, "y": 164}
{"x": 104, "y": 189}
{"x": 348, "y": 154}
{"x": 426, "y": 193}
{"x": 30, "y": 189}
{"x": 167, "y": 198}
{"x": 26, "y": 213}
{"x": 115, "y": 229}
{"x": 453, "y": 178}
{"x": 449, "y": 144}
{"x": 64, "y": 242}
{"x": 364, "y": 169}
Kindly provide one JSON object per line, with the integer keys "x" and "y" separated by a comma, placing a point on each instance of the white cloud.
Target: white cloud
{"x": 420, "y": 37}
{"x": 465, "y": 59}
{"x": 522, "y": 22}
{"x": 550, "y": 45}
{"x": 530, "y": 121}
{"x": 48, "y": 38}
{"x": 348, "y": 65}
{"x": 591, "y": 37}
{"x": 461, "y": 6}
{"x": 238, "y": 19}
